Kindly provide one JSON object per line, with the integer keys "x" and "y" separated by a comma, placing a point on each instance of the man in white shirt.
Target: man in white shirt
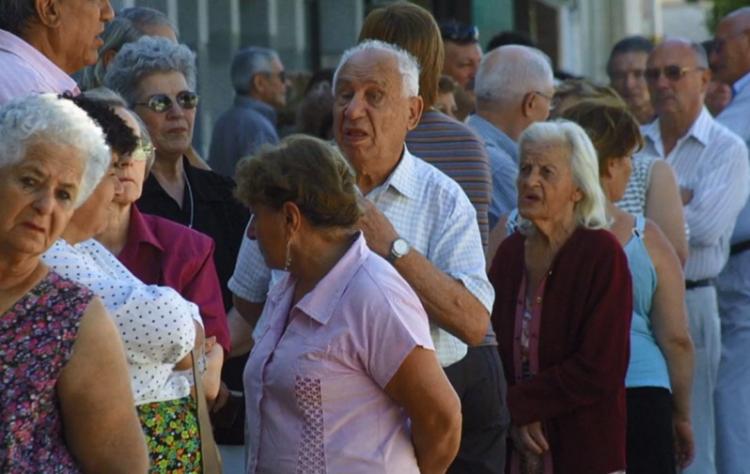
{"x": 418, "y": 219}
{"x": 730, "y": 61}
{"x": 713, "y": 172}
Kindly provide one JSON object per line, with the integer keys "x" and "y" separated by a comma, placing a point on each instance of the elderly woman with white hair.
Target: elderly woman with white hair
{"x": 157, "y": 79}
{"x": 63, "y": 375}
{"x": 158, "y": 327}
{"x": 562, "y": 311}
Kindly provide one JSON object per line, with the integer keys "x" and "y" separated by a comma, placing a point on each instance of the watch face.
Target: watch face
{"x": 400, "y": 247}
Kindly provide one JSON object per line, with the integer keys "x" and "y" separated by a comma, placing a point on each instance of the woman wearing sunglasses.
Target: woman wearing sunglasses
{"x": 159, "y": 251}
{"x": 157, "y": 79}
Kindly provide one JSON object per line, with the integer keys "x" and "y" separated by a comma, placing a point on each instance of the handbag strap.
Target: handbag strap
{"x": 210, "y": 457}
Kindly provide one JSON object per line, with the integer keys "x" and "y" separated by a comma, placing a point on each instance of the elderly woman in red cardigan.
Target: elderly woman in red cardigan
{"x": 562, "y": 312}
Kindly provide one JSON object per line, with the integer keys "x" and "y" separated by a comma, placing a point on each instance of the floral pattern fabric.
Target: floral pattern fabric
{"x": 36, "y": 340}
{"x": 172, "y": 436}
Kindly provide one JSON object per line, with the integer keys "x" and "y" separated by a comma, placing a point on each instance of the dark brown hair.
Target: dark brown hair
{"x": 412, "y": 28}
{"x": 613, "y": 130}
{"x": 306, "y": 171}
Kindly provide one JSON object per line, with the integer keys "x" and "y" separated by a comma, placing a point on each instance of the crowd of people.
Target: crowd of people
{"x": 461, "y": 261}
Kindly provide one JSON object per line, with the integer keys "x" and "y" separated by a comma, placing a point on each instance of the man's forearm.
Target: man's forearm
{"x": 447, "y": 302}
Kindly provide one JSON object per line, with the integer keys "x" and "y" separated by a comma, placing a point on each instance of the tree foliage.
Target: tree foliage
{"x": 721, "y": 8}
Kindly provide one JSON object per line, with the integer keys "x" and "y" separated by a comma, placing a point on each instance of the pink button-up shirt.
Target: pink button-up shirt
{"x": 24, "y": 70}
{"x": 314, "y": 386}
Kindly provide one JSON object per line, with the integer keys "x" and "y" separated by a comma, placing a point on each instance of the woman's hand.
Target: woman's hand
{"x": 530, "y": 438}
{"x": 684, "y": 449}
{"x": 212, "y": 375}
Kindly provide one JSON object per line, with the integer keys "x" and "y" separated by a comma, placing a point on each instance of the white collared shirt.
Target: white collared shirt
{"x": 430, "y": 211}
{"x": 154, "y": 322}
{"x": 712, "y": 162}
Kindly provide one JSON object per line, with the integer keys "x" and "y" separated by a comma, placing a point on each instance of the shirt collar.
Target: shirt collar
{"x": 40, "y": 63}
{"x": 492, "y": 134}
{"x": 740, "y": 84}
{"x": 261, "y": 107}
{"x": 403, "y": 178}
{"x": 698, "y": 130}
{"x": 139, "y": 232}
{"x": 320, "y": 303}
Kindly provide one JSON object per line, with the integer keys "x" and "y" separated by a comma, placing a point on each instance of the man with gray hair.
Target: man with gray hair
{"x": 711, "y": 164}
{"x": 260, "y": 85}
{"x": 514, "y": 88}
{"x": 42, "y": 43}
{"x": 415, "y": 216}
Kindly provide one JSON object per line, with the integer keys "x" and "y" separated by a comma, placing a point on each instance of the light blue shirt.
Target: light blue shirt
{"x": 503, "y": 155}
{"x": 736, "y": 117}
{"x": 430, "y": 211}
{"x": 239, "y": 132}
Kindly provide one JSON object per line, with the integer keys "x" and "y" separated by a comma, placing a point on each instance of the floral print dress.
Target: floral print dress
{"x": 36, "y": 341}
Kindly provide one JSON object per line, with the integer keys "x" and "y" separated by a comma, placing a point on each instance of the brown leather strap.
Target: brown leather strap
{"x": 210, "y": 457}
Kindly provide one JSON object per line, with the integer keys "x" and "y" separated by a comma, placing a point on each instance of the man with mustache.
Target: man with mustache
{"x": 42, "y": 42}
{"x": 712, "y": 170}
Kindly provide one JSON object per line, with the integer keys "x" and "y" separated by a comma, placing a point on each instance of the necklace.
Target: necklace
{"x": 192, "y": 203}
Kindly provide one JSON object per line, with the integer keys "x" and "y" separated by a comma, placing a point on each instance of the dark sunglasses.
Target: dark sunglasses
{"x": 459, "y": 33}
{"x": 281, "y": 75}
{"x": 187, "y": 100}
{"x": 672, "y": 72}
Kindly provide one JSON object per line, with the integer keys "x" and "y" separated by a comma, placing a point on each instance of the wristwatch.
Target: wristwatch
{"x": 399, "y": 248}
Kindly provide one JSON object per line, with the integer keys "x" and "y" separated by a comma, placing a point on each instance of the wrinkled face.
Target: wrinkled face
{"x": 462, "y": 62}
{"x": 38, "y": 196}
{"x": 268, "y": 227}
{"x": 626, "y": 74}
{"x": 77, "y": 39}
{"x": 682, "y": 95}
{"x": 718, "y": 96}
{"x": 371, "y": 115}
{"x": 130, "y": 173}
{"x": 546, "y": 189}
{"x": 92, "y": 217}
{"x": 171, "y": 130}
{"x": 730, "y": 56}
{"x": 275, "y": 85}
{"x": 446, "y": 103}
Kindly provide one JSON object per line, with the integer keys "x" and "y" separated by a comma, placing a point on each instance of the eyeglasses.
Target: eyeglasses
{"x": 187, "y": 100}
{"x": 550, "y": 99}
{"x": 142, "y": 152}
{"x": 455, "y": 31}
{"x": 281, "y": 75}
{"x": 672, "y": 72}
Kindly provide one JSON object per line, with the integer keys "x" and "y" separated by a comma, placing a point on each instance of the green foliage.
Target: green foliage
{"x": 720, "y": 10}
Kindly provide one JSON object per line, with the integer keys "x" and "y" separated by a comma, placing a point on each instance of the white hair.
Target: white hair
{"x": 508, "y": 73}
{"x": 590, "y": 211}
{"x": 407, "y": 64}
{"x": 46, "y": 118}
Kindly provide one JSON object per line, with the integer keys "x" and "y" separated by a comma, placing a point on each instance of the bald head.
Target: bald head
{"x": 677, "y": 77}
{"x": 509, "y": 72}
{"x": 730, "y": 56}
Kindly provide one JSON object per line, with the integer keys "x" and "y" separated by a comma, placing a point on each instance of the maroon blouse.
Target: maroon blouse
{"x": 583, "y": 349}
{"x": 163, "y": 252}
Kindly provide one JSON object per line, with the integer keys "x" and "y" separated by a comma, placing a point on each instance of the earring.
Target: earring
{"x": 288, "y": 259}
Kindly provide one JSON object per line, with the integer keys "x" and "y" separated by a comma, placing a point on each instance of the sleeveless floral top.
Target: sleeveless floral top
{"x": 36, "y": 341}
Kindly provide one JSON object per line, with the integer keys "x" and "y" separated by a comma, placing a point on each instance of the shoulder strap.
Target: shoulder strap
{"x": 210, "y": 457}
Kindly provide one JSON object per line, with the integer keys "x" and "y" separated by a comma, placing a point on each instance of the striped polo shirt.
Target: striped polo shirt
{"x": 453, "y": 148}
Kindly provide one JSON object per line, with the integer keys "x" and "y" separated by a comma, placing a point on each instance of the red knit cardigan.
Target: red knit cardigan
{"x": 584, "y": 338}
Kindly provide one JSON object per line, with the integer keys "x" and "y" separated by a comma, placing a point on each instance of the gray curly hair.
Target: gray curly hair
{"x": 48, "y": 119}
{"x": 146, "y": 56}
